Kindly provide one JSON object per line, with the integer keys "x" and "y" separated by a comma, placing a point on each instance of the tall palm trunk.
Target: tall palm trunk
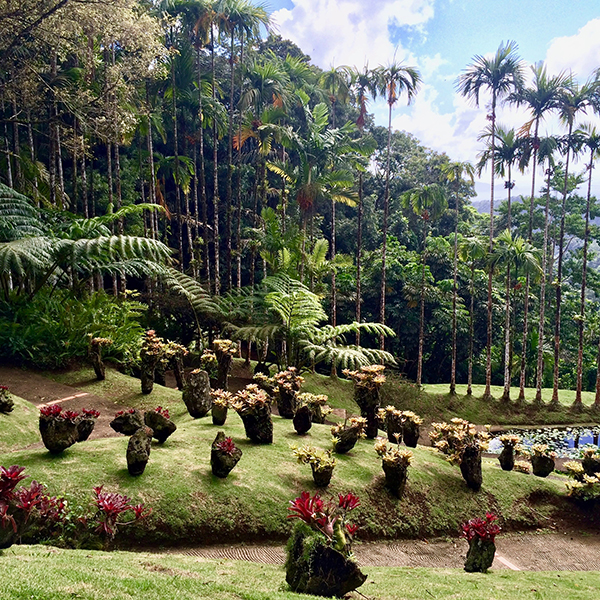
{"x": 386, "y": 208}
{"x": 488, "y": 359}
{"x": 153, "y": 214}
{"x": 471, "y": 331}
{"x": 454, "y": 292}
{"x": 540, "y": 356}
{"x": 506, "y": 392}
{"x": 578, "y": 404}
{"x": 333, "y": 274}
{"x": 422, "y": 311}
{"x": 9, "y": 174}
{"x": 229, "y": 198}
{"x": 202, "y": 178}
{"x": 217, "y": 272}
{"x": 359, "y": 254}
{"x": 177, "y": 173}
{"x": 238, "y": 231}
{"x": 561, "y": 241}
{"x": 16, "y": 145}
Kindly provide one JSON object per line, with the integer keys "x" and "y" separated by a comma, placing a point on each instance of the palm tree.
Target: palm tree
{"x": 454, "y": 173}
{"x": 573, "y": 100}
{"x": 391, "y": 82}
{"x": 428, "y": 202}
{"x": 472, "y": 250}
{"x": 499, "y": 74}
{"x": 512, "y": 253}
{"x": 546, "y": 149}
{"x": 362, "y": 86}
{"x": 541, "y": 97}
{"x": 592, "y": 141}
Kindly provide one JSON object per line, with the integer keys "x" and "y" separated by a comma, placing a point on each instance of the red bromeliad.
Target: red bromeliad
{"x": 484, "y": 529}
{"x": 162, "y": 411}
{"x": 110, "y": 506}
{"x": 91, "y": 412}
{"x": 227, "y": 445}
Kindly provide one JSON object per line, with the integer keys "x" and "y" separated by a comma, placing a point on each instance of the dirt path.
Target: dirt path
{"x": 518, "y": 552}
{"x": 565, "y": 551}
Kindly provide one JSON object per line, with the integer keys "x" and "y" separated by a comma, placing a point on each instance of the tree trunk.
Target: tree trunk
{"x": 386, "y": 207}
{"x": 422, "y": 313}
{"x": 359, "y": 255}
{"x": 578, "y": 404}
{"x": 561, "y": 241}
{"x": 217, "y": 276}
{"x": 454, "y": 292}
{"x": 540, "y": 356}
{"x": 506, "y": 392}
{"x": 471, "y": 331}
{"x": 229, "y": 198}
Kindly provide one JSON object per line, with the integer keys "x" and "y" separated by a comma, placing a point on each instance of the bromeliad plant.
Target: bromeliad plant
{"x": 321, "y": 462}
{"x": 60, "y": 428}
{"x": 26, "y": 508}
{"x": 542, "y": 459}
{"x": 328, "y": 518}
{"x": 221, "y": 402}
{"x": 254, "y": 407}
{"x": 319, "y": 551}
{"x": 109, "y": 507}
{"x": 394, "y": 462}
{"x": 481, "y": 534}
{"x": 511, "y": 446}
{"x": 462, "y": 443}
{"x": 345, "y": 435}
{"x": 288, "y": 384}
{"x": 317, "y": 404}
{"x": 367, "y": 382}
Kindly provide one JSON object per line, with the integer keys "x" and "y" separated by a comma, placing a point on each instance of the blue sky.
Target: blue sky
{"x": 440, "y": 38}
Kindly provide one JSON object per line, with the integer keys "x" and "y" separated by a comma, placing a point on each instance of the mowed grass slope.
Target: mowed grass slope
{"x": 41, "y": 573}
{"x": 19, "y": 428}
{"x": 190, "y": 505}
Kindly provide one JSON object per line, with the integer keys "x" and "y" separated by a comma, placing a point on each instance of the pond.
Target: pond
{"x": 567, "y": 442}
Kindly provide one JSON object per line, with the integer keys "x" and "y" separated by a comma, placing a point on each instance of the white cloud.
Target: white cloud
{"x": 579, "y": 53}
{"x": 351, "y": 32}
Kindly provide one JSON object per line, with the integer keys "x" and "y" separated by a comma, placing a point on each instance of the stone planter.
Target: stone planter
{"x": 314, "y": 568}
{"x": 507, "y": 458}
{"x": 480, "y": 555}
{"x": 396, "y": 477}
{"x": 542, "y": 466}
{"x": 225, "y": 360}
{"x": 85, "y": 427}
{"x": 302, "y": 420}
{"x": 58, "y": 434}
{"x": 138, "y": 451}
{"x": 147, "y": 370}
{"x": 96, "y": 358}
{"x": 219, "y": 414}
{"x": 470, "y": 467}
{"x": 393, "y": 425}
{"x": 591, "y": 465}
{"x": 345, "y": 440}
{"x": 128, "y": 423}
{"x": 286, "y": 403}
{"x": 368, "y": 401}
{"x": 196, "y": 394}
{"x": 161, "y": 426}
{"x": 6, "y": 402}
{"x": 317, "y": 415}
{"x": 179, "y": 372}
{"x": 222, "y": 462}
{"x": 321, "y": 475}
{"x": 410, "y": 434}
{"x": 258, "y": 425}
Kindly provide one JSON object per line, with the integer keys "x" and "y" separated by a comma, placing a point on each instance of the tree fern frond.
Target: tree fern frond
{"x": 200, "y": 300}
{"x": 25, "y": 256}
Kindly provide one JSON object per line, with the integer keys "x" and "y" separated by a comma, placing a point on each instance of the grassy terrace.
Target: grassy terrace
{"x": 190, "y": 504}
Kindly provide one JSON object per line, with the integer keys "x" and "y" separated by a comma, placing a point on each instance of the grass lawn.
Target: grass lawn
{"x": 19, "y": 428}
{"x": 190, "y": 504}
{"x": 44, "y": 573}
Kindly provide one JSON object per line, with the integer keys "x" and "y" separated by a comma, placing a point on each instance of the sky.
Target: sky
{"x": 440, "y": 38}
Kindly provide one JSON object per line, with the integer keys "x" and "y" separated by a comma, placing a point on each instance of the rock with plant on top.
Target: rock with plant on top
{"x": 345, "y": 435}
{"x": 319, "y": 551}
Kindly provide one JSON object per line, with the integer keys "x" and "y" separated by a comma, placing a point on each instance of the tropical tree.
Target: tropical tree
{"x": 473, "y": 251}
{"x": 500, "y": 75}
{"x": 591, "y": 139}
{"x": 517, "y": 254}
{"x": 456, "y": 173}
{"x": 392, "y": 81}
{"x": 427, "y": 202}
{"x": 574, "y": 99}
{"x": 540, "y": 97}
{"x": 548, "y": 146}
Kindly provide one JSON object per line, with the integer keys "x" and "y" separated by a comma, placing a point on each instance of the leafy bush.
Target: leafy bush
{"x": 52, "y": 329}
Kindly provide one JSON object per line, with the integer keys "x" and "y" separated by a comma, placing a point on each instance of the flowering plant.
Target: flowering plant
{"x": 250, "y": 400}
{"x": 393, "y": 456}
{"x": 370, "y": 376}
{"x": 4, "y": 391}
{"x": 452, "y": 438}
{"x": 128, "y": 411}
{"x": 90, "y": 413}
{"x": 328, "y": 518}
{"x": 317, "y": 458}
{"x": 407, "y": 416}
{"x": 162, "y": 411}
{"x": 358, "y": 423}
{"x": 483, "y": 529}
{"x": 542, "y": 450}
{"x": 265, "y": 382}
{"x": 225, "y": 346}
{"x": 55, "y": 411}
{"x": 510, "y": 440}
{"x": 227, "y": 446}
{"x": 289, "y": 380}
{"x": 110, "y": 506}
{"x": 221, "y": 398}
{"x": 22, "y": 508}
{"x": 317, "y": 404}
{"x": 209, "y": 363}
